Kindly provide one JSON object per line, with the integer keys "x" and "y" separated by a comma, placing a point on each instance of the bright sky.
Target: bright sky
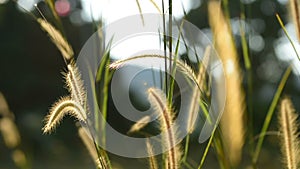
{"x": 111, "y": 10}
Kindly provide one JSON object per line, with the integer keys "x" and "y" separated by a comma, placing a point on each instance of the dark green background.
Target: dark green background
{"x": 31, "y": 80}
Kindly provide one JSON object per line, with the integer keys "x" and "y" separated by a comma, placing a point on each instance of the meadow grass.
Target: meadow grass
{"x": 229, "y": 142}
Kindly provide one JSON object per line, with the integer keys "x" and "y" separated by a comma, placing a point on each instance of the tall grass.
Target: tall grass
{"x": 288, "y": 127}
{"x": 11, "y": 135}
{"x": 226, "y": 141}
{"x": 232, "y": 123}
{"x": 159, "y": 101}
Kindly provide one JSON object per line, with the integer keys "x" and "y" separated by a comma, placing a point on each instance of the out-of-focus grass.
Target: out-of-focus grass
{"x": 216, "y": 149}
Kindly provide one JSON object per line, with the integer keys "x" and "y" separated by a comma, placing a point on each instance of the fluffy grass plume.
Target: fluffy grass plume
{"x": 194, "y": 105}
{"x": 289, "y": 135}
{"x": 11, "y": 135}
{"x": 9, "y": 132}
{"x": 152, "y": 161}
{"x": 4, "y": 109}
{"x": 158, "y": 100}
{"x": 75, "y": 84}
{"x": 182, "y": 66}
{"x": 232, "y": 123}
{"x": 140, "y": 124}
{"x": 74, "y": 105}
{"x": 56, "y": 37}
{"x": 8, "y": 128}
{"x": 19, "y": 158}
{"x": 295, "y": 13}
{"x": 61, "y": 108}
{"x": 100, "y": 161}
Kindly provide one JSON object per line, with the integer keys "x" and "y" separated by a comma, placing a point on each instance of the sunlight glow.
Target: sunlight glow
{"x": 3, "y": 1}
{"x": 229, "y": 66}
{"x": 256, "y": 43}
{"x": 26, "y": 4}
{"x": 112, "y": 10}
{"x": 284, "y": 50}
{"x": 130, "y": 46}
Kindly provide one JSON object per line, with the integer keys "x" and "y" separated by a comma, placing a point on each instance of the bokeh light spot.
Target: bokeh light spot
{"x": 3, "y": 1}
{"x": 76, "y": 18}
{"x": 256, "y": 43}
{"x": 62, "y": 7}
{"x": 26, "y": 5}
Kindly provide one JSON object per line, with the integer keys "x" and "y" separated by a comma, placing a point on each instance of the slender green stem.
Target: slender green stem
{"x": 189, "y": 166}
{"x": 172, "y": 83}
{"x": 104, "y": 94}
{"x": 287, "y": 35}
{"x": 165, "y": 46}
{"x": 223, "y": 161}
{"x": 248, "y": 67}
{"x": 105, "y": 99}
{"x": 140, "y": 11}
{"x": 103, "y": 62}
{"x": 227, "y": 12}
{"x": 244, "y": 44}
{"x": 205, "y": 111}
{"x": 270, "y": 113}
{"x": 100, "y": 151}
{"x": 276, "y": 97}
{"x": 207, "y": 148}
{"x": 170, "y": 33}
{"x": 58, "y": 22}
{"x": 186, "y": 148}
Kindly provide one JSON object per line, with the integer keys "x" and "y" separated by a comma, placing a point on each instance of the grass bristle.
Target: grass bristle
{"x": 295, "y": 13}
{"x": 152, "y": 160}
{"x": 194, "y": 106}
{"x": 60, "y": 109}
{"x": 4, "y": 109}
{"x": 140, "y": 124}
{"x": 289, "y": 134}
{"x": 182, "y": 66}
{"x": 8, "y": 128}
{"x": 158, "y": 100}
{"x": 56, "y": 37}
{"x": 75, "y": 84}
{"x": 232, "y": 124}
{"x": 9, "y": 132}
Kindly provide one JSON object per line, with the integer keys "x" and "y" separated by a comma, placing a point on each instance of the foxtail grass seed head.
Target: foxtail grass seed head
{"x": 56, "y": 37}
{"x": 232, "y": 123}
{"x": 152, "y": 161}
{"x": 140, "y": 124}
{"x": 8, "y": 128}
{"x": 194, "y": 106}
{"x": 19, "y": 158}
{"x": 4, "y": 109}
{"x": 158, "y": 100}
{"x": 9, "y": 132}
{"x": 75, "y": 84}
{"x": 295, "y": 13}
{"x": 60, "y": 109}
{"x": 289, "y": 135}
{"x": 182, "y": 66}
